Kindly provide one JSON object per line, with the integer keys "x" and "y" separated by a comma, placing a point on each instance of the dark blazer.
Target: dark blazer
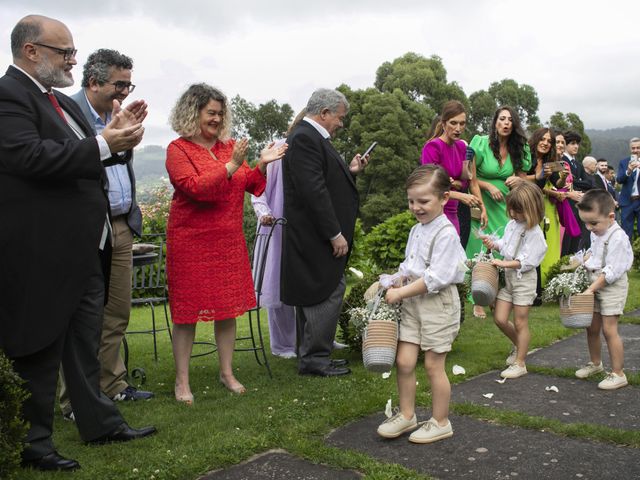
{"x": 320, "y": 201}
{"x": 624, "y": 199}
{"x": 134, "y": 217}
{"x": 52, "y": 214}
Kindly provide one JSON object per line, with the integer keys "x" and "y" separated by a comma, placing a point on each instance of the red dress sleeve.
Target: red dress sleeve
{"x": 256, "y": 180}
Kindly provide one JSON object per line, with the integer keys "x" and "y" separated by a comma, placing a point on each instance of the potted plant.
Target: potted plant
{"x": 576, "y": 308}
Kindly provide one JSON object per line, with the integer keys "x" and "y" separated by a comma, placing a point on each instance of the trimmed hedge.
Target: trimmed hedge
{"x": 12, "y": 427}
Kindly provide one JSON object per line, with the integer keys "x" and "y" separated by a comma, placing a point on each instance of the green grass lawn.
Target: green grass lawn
{"x": 289, "y": 412}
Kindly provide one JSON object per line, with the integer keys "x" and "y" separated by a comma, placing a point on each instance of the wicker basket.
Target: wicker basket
{"x": 379, "y": 345}
{"x": 576, "y": 311}
{"x": 484, "y": 283}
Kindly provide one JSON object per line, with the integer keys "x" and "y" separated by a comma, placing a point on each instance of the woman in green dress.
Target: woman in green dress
{"x": 502, "y": 159}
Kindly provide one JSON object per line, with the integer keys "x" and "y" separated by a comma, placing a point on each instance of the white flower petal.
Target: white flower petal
{"x": 388, "y": 411}
{"x": 356, "y": 272}
{"x": 502, "y": 380}
{"x": 487, "y": 395}
{"x": 386, "y": 375}
{"x": 458, "y": 370}
{"x": 552, "y": 388}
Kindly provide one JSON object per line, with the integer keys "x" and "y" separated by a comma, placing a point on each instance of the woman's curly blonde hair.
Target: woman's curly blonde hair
{"x": 185, "y": 115}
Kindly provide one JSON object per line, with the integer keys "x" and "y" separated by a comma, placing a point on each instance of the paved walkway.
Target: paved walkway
{"x": 483, "y": 450}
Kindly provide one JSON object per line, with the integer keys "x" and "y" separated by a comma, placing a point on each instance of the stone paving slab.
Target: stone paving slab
{"x": 577, "y": 401}
{"x": 481, "y": 450}
{"x": 277, "y": 465}
{"x": 572, "y": 352}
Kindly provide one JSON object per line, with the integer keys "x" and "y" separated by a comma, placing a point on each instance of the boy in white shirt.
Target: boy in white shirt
{"x": 608, "y": 260}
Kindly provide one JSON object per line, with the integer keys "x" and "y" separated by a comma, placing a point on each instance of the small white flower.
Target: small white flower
{"x": 135, "y": 470}
{"x": 386, "y": 375}
{"x": 458, "y": 370}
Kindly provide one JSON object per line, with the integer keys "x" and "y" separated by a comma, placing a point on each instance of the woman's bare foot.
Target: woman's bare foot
{"x": 232, "y": 384}
{"x": 478, "y": 312}
{"x": 184, "y": 395}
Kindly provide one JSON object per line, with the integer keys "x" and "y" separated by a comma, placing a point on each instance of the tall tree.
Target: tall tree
{"x": 261, "y": 125}
{"x": 571, "y": 121}
{"x": 398, "y": 123}
{"x": 421, "y": 79}
{"x": 483, "y": 104}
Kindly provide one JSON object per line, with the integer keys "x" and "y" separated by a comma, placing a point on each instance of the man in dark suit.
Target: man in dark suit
{"x": 320, "y": 205}
{"x": 570, "y": 244}
{"x": 602, "y": 167}
{"x": 107, "y": 77}
{"x": 53, "y": 212}
{"x": 629, "y": 198}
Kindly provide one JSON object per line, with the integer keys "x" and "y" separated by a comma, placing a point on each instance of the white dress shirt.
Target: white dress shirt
{"x": 447, "y": 261}
{"x": 531, "y": 250}
{"x": 619, "y": 253}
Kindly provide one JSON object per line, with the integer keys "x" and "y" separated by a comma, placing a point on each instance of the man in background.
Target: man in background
{"x": 629, "y": 198}
{"x": 107, "y": 77}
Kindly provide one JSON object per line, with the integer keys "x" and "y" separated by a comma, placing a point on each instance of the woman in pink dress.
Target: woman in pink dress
{"x": 446, "y": 149}
{"x": 208, "y": 271}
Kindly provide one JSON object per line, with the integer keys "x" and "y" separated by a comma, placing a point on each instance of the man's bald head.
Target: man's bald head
{"x": 31, "y": 29}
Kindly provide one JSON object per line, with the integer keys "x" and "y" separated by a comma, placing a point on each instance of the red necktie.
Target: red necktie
{"x": 56, "y": 105}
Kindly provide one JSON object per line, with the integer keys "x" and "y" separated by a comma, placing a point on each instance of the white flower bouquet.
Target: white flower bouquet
{"x": 378, "y": 326}
{"x": 576, "y": 308}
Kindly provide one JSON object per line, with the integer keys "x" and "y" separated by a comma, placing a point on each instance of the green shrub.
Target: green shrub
{"x": 385, "y": 244}
{"x": 154, "y": 202}
{"x": 636, "y": 253}
{"x": 556, "y": 268}
{"x": 12, "y": 427}
{"x": 355, "y": 298}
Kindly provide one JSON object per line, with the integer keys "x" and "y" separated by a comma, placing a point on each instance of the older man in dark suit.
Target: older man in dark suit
{"x": 320, "y": 204}
{"x": 629, "y": 178}
{"x": 53, "y": 212}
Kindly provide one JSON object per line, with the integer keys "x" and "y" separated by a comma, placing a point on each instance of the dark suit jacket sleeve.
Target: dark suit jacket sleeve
{"x": 307, "y": 156}
{"x": 622, "y": 171}
{"x": 29, "y": 154}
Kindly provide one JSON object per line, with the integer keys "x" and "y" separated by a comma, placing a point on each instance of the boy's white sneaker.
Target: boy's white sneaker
{"x": 430, "y": 432}
{"x": 613, "y": 381}
{"x": 589, "y": 369}
{"x": 514, "y": 371}
{"x": 395, "y": 426}
{"x": 511, "y": 359}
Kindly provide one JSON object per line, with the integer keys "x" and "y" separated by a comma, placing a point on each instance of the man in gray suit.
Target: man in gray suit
{"x": 107, "y": 77}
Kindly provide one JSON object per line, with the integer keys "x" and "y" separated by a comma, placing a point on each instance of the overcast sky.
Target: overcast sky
{"x": 580, "y": 56}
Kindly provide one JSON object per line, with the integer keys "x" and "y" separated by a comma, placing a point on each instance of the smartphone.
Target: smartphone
{"x": 370, "y": 149}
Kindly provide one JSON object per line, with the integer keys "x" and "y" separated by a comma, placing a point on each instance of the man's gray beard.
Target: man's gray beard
{"x": 49, "y": 76}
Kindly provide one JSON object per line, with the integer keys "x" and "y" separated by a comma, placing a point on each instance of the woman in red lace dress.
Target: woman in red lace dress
{"x": 208, "y": 271}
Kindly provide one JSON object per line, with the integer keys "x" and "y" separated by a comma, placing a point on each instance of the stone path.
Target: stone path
{"x": 481, "y": 450}
{"x": 577, "y": 401}
{"x": 277, "y": 465}
{"x": 572, "y": 352}
{"x": 484, "y": 450}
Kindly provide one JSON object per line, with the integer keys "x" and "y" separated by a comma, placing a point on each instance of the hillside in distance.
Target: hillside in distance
{"x": 612, "y": 144}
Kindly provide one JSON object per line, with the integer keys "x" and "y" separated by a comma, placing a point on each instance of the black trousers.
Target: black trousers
{"x": 315, "y": 330}
{"x": 77, "y": 350}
